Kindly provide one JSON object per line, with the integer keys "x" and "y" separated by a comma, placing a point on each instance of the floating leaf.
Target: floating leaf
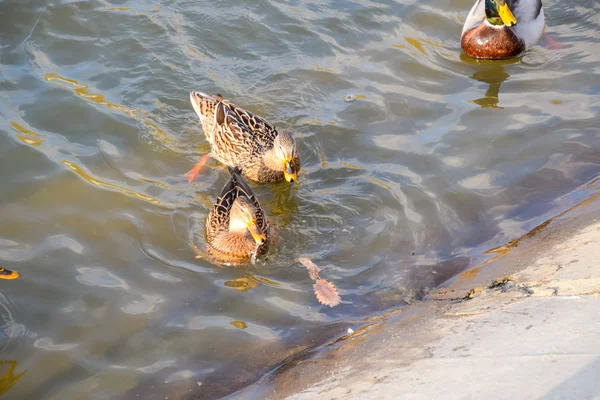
{"x": 312, "y": 268}
{"x": 326, "y": 293}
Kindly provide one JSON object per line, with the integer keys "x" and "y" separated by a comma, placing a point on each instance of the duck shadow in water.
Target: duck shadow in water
{"x": 491, "y": 72}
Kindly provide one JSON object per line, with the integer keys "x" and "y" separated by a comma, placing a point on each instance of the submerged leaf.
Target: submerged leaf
{"x": 326, "y": 293}
{"x": 312, "y": 268}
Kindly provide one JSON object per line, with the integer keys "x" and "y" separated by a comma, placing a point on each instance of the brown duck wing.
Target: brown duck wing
{"x": 218, "y": 218}
{"x": 264, "y": 131}
{"x": 233, "y": 140}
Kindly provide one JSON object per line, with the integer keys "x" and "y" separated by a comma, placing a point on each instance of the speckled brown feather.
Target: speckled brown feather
{"x": 239, "y": 138}
{"x": 228, "y": 246}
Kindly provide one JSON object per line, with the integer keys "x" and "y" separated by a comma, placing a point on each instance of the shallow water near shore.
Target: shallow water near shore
{"x": 432, "y": 160}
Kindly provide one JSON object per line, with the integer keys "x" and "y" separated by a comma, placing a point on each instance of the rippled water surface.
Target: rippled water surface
{"x": 436, "y": 160}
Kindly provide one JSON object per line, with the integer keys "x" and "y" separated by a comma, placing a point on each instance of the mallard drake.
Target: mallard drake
{"x": 8, "y": 274}
{"x": 241, "y": 139}
{"x": 237, "y": 225}
{"x": 500, "y": 29}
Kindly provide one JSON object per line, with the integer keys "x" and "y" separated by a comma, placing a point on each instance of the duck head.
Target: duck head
{"x": 284, "y": 151}
{"x": 498, "y": 12}
{"x": 243, "y": 218}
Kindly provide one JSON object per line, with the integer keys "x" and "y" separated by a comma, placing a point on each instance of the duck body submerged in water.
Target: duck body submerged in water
{"x": 501, "y": 29}
{"x": 237, "y": 225}
{"x": 241, "y": 139}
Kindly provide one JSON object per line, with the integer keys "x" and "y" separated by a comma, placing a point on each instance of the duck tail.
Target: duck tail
{"x": 207, "y": 106}
{"x": 235, "y": 171}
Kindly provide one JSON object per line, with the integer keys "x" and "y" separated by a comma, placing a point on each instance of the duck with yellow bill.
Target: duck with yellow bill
{"x": 500, "y": 29}
{"x": 237, "y": 226}
{"x": 239, "y": 138}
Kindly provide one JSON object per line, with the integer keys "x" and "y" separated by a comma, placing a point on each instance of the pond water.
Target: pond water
{"x": 415, "y": 161}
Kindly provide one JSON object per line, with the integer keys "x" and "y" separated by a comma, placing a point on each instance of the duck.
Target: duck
{"x": 241, "y": 139}
{"x": 237, "y": 226}
{"x": 8, "y": 274}
{"x": 502, "y": 29}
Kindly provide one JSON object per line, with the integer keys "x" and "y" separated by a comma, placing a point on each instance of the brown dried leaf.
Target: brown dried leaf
{"x": 326, "y": 293}
{"x": 312, "y": 268}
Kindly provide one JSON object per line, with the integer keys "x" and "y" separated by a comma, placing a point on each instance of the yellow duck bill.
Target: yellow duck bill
{"x": 289, "y": 174}
{"x": 258, "y": 236}
{"x": 506, "y": 15}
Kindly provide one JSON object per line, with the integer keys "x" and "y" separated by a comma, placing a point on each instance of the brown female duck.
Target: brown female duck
{"x": 237, "y": 225}
{"x": 241, "y": 139}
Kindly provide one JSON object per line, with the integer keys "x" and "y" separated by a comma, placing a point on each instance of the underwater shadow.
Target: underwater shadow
{"x": 493, "y": 74}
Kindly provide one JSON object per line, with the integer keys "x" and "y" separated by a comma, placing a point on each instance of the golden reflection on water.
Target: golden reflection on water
{"x": 82, "y": 91}
{"x": 155, "y": 183}
{"x": 8, "y": 274}
{"x": 312, "y": 121}
{"x": 32, "y": 138}
{"x": 200, "y": 54}
{"x": 111, "y": 186}
{"x": 323, "y": 69}
{"x": 116, "y": 9}
{"x": 266, "y": 281}
{"x": 9, "y": 379}
{"x": 351, "y": 166}
{"x": 27, "y": 136}
{"x": 205, "y": 198}
{"x": 420, "y": 44}
{"x": 243, "y": 283}
{"x": 416, "y": 44}
{"x": 239, "y": 324}
{"x": 494, "y": 76}
{"x": 379, "y": 183}
{"x": 322, "y": 158}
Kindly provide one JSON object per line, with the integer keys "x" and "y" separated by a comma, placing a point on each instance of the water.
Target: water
{"x": 435, "y": 159}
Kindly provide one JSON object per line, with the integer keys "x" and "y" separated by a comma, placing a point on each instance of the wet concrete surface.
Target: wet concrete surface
{"x": 524, "y": 325}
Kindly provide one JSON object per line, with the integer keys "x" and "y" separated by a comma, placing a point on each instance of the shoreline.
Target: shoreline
{"x": 519, "y": 324}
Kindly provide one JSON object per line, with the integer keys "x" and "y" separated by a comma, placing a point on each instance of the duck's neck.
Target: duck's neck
{"x": 491, "y": 13}
{"x": 495, "y": 21}
{"x": 270, "y": 160}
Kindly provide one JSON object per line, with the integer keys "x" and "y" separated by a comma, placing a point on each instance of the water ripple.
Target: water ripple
{"x": 438, "y": 158}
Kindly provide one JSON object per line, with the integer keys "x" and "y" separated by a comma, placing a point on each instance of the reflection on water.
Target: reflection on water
{"x": 8, "y": 378}
{"x": 493, "y": 75}
{"x": 415, "y": 162}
